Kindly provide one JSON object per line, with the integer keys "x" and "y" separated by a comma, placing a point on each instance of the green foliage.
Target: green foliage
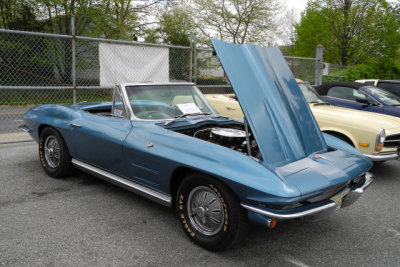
{"x": 26, "y": 98}
{"x": 383, "y": 69}
{"x": 352, "y": 32}
{"x": 380, "y": 70}
{"x": 337, "y": 78}
{"x": 176, "y": 26}
{"x": 114, "y": 19}
{"x": 20, "y": 15}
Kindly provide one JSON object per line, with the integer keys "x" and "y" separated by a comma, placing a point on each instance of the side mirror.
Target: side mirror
{"x": 362, "y": 101}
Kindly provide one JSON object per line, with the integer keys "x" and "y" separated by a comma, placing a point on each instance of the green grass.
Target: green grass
{"x": 36, "y": 97}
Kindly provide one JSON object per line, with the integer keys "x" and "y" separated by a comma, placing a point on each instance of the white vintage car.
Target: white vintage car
{"x": 377, "y": 136}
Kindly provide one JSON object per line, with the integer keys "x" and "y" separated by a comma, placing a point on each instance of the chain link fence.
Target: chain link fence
{"x": 333, "y": 72}
{"x": 40, "y": 68}
{"x": 211, "y": 79}
{"x": 302, "y": 68}
{"x": 209, "y": 74}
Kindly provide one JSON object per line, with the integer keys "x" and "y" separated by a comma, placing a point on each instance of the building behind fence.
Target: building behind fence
{"x": 39, "y": 68}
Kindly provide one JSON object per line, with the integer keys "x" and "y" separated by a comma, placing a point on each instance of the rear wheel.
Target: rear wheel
{"x": 210, "y": 213}
{"x": 54, "y": 154}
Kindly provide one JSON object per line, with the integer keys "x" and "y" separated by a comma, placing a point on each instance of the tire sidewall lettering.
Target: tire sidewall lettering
{"x": 182, "y": 206}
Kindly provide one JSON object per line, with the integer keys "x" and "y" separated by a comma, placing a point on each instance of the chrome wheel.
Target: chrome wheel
{"x": 205, "y": 210}
{"x": 52, "y": 151}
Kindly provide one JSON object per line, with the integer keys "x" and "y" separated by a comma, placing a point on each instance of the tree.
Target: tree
{"x": 20, "y": 15}
{"x": 352, "y": 31}
{"x": 288, "y": 32}
{"x": 395, "y": 8}
{"x": 237, "y": 21}
{"x": 117, "y": 19}
{"x": 174, "y": 26}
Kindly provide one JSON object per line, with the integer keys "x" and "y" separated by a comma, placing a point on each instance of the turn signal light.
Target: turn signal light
{"x": 271, "y": 223}
{"x": 379, "y": 147}
{"x": 364, "y": 144}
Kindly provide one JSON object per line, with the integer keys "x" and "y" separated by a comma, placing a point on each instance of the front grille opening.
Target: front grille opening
{"x": 392, "y": 141}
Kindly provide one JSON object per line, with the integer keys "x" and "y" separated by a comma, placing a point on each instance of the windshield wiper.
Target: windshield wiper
{"x": 186, "y": 115}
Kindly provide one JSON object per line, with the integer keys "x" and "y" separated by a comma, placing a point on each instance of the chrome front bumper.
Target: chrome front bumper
{"x": 383, "y": 156}
{"x": 357, "y": 190}
{"x": 348, "y": 197}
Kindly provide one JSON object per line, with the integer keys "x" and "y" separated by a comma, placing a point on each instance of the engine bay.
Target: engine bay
{"x": 230, "y": 136}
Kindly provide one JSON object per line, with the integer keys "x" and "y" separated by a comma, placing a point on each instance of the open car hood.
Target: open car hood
{"x": 276, "y": 110}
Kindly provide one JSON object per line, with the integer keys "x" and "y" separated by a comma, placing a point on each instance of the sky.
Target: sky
{"x": 299, "y": 5}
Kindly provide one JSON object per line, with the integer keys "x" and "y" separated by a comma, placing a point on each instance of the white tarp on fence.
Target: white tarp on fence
{"x": 127, "y": 63}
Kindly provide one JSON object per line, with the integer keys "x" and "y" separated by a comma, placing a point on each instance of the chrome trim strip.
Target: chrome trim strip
{"x": 393, "y": 134}
{"x": 382, "y": 157}
{"x": 156, "y": 83}
{"x": 131, "y": 186}
{"x": 328, "y": 206}
{"x": 125, "y": 99}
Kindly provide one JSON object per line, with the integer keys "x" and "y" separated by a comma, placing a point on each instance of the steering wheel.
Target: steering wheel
{"x": 149, "y": 115}
{"x": 175, "y": 110}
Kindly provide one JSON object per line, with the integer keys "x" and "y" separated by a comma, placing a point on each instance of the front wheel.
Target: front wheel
{"x": 54, "y": 154}
{"x": 210, "y": 213}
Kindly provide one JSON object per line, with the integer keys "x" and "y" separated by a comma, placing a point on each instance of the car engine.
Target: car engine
{"x": 232, "y": 138}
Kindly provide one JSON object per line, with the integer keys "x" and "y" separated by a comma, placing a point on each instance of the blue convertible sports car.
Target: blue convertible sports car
{"x": 165, "y": 142}
{"x": 360, "y": 96}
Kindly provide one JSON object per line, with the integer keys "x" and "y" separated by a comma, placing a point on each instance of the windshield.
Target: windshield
{"x": 384, "y": 96}
{"x": 159, "y": 102}
{"x": 310, "y": 94}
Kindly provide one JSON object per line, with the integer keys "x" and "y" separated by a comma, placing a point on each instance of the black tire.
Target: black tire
{"x": 205, "y": 226}
{"x": 53, "y": 153}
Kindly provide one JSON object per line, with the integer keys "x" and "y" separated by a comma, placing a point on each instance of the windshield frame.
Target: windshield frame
{"x": 132, "y": 116}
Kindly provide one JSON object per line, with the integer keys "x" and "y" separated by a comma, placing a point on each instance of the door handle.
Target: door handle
{"x": 73, "y": 125}
{"x": 230, "y": 108}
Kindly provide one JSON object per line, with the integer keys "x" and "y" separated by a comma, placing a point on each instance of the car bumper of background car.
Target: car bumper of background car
{"x": 383, "y": 156}
{"x": 344, "y": 198}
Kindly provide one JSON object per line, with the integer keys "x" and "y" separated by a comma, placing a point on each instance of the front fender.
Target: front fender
{"x": 53, "y": 115}
{"x": 170, "y": 150}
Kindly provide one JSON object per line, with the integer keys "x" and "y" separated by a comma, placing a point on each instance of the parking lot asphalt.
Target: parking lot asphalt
{"x": 83, "y": 221}
{"x": 11, "y": 118}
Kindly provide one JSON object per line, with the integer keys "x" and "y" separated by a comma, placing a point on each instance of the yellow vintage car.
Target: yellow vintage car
{"x": 377, "y": 136}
